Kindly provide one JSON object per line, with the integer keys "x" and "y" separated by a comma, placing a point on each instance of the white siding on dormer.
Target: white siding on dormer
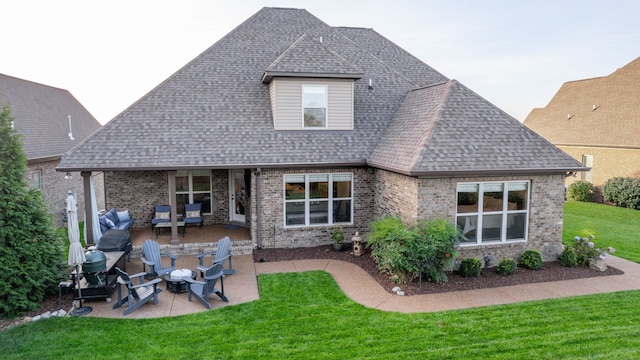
{"x": 286, "y": 103}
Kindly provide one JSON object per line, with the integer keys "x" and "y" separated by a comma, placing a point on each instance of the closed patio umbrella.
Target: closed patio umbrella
{"x": 76, "y": 253}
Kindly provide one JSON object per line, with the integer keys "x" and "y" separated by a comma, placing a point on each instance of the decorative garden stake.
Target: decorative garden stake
{"x": 357, "y": 244}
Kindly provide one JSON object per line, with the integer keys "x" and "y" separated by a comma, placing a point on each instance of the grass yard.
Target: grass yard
{"x": 611, "y": 226}
{"x": 306, "y": 316}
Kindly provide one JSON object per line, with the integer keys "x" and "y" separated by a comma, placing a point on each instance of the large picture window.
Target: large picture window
{"x": 493, "y": 212}
{"x": 314, "y": 105}
{"x": 318, "y": 199}
{"x": 193, "y": 187}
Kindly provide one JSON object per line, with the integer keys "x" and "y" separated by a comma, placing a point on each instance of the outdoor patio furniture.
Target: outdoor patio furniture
{"x": 193, "y": 214}
{"x": 137, "y": 295}
{"x": 202, "y": 289}
{"x": 153, "y": 257}
{"x": 161, "y": 214}
{"x": 222, "y": 253}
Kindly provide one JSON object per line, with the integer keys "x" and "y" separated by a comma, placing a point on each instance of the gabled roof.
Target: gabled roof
{"x": 41, "y": 114}
{"x": 307, "y": 57}
{"x": 215, "y": 112}
{"x": 603, "y": 111}
{"x": 447, "y": 129}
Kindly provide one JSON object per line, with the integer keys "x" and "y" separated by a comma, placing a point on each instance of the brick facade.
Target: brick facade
{"x": 54, "y": 188}
{"x": 607, "y": 162}
{"x": 140, "y": 191}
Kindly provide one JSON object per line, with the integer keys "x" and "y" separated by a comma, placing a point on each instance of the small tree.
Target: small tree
{"x": 31, "y": 250}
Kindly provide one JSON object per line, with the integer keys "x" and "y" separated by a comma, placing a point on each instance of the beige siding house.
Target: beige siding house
{"x": 597, "y": 121}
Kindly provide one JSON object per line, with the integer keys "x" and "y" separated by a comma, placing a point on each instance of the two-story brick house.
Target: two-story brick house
{"x": 289, "y": 126}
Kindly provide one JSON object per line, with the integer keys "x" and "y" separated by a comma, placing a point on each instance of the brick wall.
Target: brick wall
{"x": 274, "y": 234}
{"x": 140, "y": 191}
{"x": 607, "y": 162}
{"x": 55, "y": 188}
{"x": 436, "y": 198}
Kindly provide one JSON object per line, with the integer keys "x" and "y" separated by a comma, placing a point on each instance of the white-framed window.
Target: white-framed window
{"x": 37, "y": 179}
{"x": 493, "y": 212}
{"x": 318, "y": 199}
{"x": 193, "y": 186}
{"x": 587, "y": 160}
{"x": 314, "y": 106}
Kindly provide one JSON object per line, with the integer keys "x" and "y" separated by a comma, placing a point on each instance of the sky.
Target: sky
{"x": 514, "y": 53}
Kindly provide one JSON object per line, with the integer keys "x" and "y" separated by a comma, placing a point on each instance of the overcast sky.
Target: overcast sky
{"x": 514, "y": 53}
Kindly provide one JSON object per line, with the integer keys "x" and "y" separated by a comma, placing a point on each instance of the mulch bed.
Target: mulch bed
{"x": 489, "y": 278}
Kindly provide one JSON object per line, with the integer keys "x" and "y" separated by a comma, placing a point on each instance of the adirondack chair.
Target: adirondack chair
{"x": 138, "y": 294}
{"x": 222, "y": 253}
{"x": 193, "y": 214}
{"x": 202, "y": 289}
{"x": 153, "y": 257}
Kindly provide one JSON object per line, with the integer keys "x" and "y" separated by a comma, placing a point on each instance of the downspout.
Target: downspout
{"x": 258, "y": 211}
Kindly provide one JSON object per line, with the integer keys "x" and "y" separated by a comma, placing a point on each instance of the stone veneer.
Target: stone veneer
{"x": 436, "y": 198}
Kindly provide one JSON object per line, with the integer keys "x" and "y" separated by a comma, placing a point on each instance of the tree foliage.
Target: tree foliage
{"x": 31, "y": 251}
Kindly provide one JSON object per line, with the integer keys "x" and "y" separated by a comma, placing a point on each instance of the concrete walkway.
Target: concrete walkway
{"x": 360, "y": 287}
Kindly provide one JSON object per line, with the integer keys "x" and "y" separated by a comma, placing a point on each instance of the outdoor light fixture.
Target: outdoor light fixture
{"x": 68, "y": 176}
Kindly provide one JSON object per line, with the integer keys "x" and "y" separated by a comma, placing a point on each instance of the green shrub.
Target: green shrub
{"x": 428, "y": 248}
{"x": 568, "y": 257}
{"x": 470, "y": 267}
{"x": 31, "y": 252}
{"x": 622, "y": 192}
{"x": 506, "y": 266}
{"x": 580, "y": 191}
{"x": 531, "y": 259}
{"x": 586, "y": 250}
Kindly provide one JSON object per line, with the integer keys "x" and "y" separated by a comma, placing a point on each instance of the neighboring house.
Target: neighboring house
{"x": 51, "y": 122}
{"x": 289, "y": 126}
{"x": 597, "y": 121}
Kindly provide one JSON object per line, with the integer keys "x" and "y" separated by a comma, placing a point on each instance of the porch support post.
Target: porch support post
{"x": 88, "y": 208}
{"x": 174, "y": 205}
{"x": 259, "y": 211}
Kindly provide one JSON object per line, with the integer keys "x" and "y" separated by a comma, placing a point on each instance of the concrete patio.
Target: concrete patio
{"x": 359, "y": 286}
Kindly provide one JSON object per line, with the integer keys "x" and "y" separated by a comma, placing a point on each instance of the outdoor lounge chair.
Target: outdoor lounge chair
{"x": 162, "y": 213}
{"x": 193, "y": 214}
{"x": 202, "y": 289}
{"x": 152, "y": 256}
{"x": 222, "y": 253}
{"x": 137, "y": 295}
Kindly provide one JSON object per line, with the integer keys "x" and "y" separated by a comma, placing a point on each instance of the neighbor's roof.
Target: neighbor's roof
{"x": 41, "y": 114}
{"x": 215, "y": 112}
{"x": 603, "y": 111}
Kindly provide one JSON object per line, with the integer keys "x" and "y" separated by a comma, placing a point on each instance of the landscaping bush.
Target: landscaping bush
{"x": 586, "y": 250}
{"x": 568, "y": 257}
{"x": 428, "y": 248}
{"x": 506, "y": 266}
{"x": 470, "y": 267}
{"x": 622, "y": 192}
{"x": 531, "y": 259}
{"x": 580, "y": 191}
{"x": 31, "y": 251}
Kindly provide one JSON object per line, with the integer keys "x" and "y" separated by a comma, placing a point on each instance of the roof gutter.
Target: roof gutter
{"x": 483, "y": 172}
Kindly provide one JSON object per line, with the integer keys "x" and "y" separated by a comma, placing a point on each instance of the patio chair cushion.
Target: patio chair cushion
{"x": 111, "y": 220}
{"x": 193, "y": 214}
{"x": 124, "y": 215}
{"x": 163, "y": 215}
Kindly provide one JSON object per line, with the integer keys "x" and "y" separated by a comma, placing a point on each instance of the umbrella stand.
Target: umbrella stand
{"x": 82, "y": 310}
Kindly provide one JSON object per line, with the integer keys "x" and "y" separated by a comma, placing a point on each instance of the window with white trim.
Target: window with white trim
{"x": 314, "y": 106}
{"x": 37, "y": 179}
{"x": 193, "y": 186}
{"x": 493, "y": 212}
{"x": 318, "y": 199}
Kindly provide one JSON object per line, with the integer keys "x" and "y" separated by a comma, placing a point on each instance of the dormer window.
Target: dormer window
{"x": 314, "y": 106}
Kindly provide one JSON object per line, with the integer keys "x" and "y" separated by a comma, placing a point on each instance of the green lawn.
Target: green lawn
{"x": 611, "y": 226}
{"x": 305, "y": 315}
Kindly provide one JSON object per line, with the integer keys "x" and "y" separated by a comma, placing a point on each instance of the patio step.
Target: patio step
{"x": 241, "y": 247}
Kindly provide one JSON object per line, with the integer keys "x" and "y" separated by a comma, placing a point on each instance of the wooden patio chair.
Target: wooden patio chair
{"x": 222, "y": 253}
{"x": 153, "y": 257}
{"x": 202, "y": 289}
{"x": 138, "y": 294}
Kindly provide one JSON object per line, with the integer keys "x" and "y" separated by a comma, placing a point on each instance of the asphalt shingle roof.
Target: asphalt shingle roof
{"x": 41, "y": 113}
{"x": 215, "y": 112}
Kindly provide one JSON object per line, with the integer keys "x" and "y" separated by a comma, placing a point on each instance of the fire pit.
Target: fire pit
{"x": 176, "y": 280}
